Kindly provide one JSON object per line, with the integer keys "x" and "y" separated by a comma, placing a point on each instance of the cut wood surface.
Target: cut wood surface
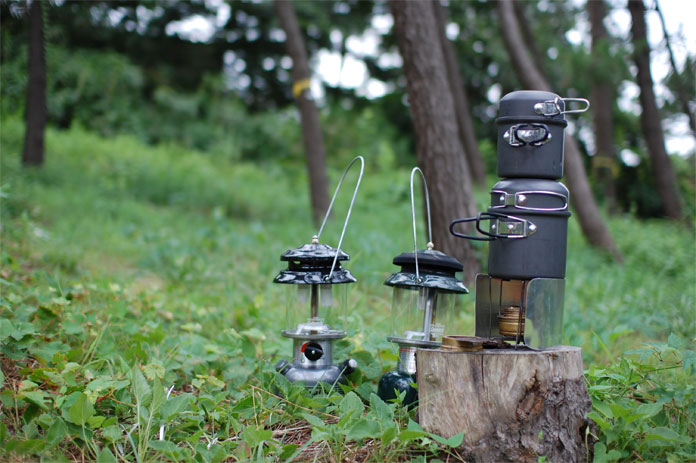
{"x": 512, "y": 405}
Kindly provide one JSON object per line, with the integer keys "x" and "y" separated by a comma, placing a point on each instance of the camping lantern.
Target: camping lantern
{"x": 316, "y": 297}
{"x": 423, "y": 306}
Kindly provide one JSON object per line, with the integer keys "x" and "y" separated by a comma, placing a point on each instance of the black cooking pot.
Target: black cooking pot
{"x": 530, "y": 135}
{"x": 527, "y": 225}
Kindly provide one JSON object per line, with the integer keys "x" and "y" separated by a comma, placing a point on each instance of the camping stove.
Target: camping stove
{"x": 521, "y": 297}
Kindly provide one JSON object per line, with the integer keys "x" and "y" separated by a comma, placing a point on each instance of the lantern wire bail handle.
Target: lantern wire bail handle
{"x": 430, "y": 244}
{"x": 315, "y": 239}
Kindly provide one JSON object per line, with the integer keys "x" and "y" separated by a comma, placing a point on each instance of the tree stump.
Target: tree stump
{"x": 513, "y": 405}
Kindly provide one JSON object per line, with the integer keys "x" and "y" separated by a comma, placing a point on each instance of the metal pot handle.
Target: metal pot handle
{"x": 518, "y": 228}
{"x": 469, "y": 237}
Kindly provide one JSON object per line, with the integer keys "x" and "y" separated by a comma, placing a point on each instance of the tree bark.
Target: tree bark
{"x": 439, "y": 150}
{"x": 33, "y": 154}
{"x": 512, "y": 405}
{"x": 682, "y": 81}
{"x": 602, "y": 95}
{"x": 465, "y": 122}
{"x": 650, "y": 121}
{"x": 527, "y": 33}
{"x": 591, "y": 222}
{"x": 309, "y": 115}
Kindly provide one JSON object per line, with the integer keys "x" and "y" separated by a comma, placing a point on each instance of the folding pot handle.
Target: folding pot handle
{"x": 469, "y": 237}
{"x": 510, "y": 228}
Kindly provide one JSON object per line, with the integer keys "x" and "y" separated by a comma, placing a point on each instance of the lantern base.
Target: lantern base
{"x": 396, "y": 382}
{"x": 311, "y": 376}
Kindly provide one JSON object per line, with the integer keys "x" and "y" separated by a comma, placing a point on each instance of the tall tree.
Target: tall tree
{"x": 465, "y": 121}
{"x": 665, "y": 179}
{"x": 33, "y": 153}
{"x": 593, "y": 226}
{"x": 439, "y": 150}
{"x": 602, "y": 96}
{"x": 682, "y": 82}
{"x": 311, "y": 128}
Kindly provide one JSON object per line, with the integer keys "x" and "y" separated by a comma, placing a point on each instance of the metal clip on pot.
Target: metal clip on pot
{"x": 502, "y": 226}
{"x": 557, "y": 106}
{"x": 519, "y": 200}
{"x": 523, "y": 134}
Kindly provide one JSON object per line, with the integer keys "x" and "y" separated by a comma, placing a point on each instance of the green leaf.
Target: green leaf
{"x": 287, "y": 452}
{"x": 674, "y": 341}
{"x": 105, "y": 456}
{"x": 141, "y": 389}
{"x": 666, "y": 434}
{"x": 456, "y": 440}
{"x": 112, "y": 433}
{"x": 649, "y": 410}
{"x": 95, "y": 421}
{"x": 351, "y": 404}
{"x": 413, "y": 426}
{"x": 154, "y": 370}
{"x": 5, "y": 329}
{"x": 174, "y": 406}
{"x": 599, "y": 419}
{"x": 362, "y": 429}
{"x": 255, "y": 436}
{"x": 313, "y": 420}
{"x": 389, "y": 434}
{"x": 21, "y": 329}
{"x": 81, "y": 410}
{"x": 408, "y": 435}
{"x": 604, "y": 409}
{"x": 57, "y": 432}
{"x": 36, "y": 397}
{"x": 158, "y": 396}
{"x": 384, "y": 412}
{"x": 163, "y": 446}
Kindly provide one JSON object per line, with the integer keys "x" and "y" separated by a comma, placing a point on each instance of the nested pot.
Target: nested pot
{"x": 530, "y": 135}
{"x": 527, "y": 226}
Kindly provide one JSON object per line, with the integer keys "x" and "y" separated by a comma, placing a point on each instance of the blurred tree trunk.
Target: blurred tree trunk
{"x": 33, "y": 154}
{"x": 593, "y": 226}
{"x": 311, "y": 128}
{"x": 650, "y": 121}
{"x": 465, "y": 122}
{"x": 527, "y": 33}
{"x": 439, "y": 149}
{"x": 682, "y": 80}
{"x": 602, "y": 96}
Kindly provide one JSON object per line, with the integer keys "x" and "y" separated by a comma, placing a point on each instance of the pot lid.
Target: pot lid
{"x": 532, "y": 105}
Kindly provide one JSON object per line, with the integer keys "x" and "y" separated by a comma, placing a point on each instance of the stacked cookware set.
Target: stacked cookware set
{"x": 520, "y": 300}
{"x": 521, "y": 297}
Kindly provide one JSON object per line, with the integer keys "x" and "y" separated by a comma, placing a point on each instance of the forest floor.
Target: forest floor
{"x": 139, "y": 321}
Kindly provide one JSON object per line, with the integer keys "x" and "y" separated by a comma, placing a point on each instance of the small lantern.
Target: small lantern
{"x": 423, "y": 307}
{"x": 316, "y": 297}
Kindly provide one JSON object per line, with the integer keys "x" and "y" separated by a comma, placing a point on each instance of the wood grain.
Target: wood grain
{"x": 512, "y": 405}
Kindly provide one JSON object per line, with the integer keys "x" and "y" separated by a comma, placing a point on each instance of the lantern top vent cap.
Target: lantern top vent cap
{"x": 429, "y": 260}
{"x": 314, "y": 252}
{"x": 311, "y": 264}
{"x": 436, "y": 270}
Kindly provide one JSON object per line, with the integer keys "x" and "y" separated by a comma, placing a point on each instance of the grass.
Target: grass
{"x": 127, "y": 269}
